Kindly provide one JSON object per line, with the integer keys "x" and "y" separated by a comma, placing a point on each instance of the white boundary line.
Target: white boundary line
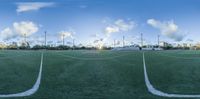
{"x": 156, "y": 92}
{"x": 30, "y": 91}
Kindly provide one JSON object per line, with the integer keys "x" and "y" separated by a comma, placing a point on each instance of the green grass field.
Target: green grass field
{"x": 99, "y": 74}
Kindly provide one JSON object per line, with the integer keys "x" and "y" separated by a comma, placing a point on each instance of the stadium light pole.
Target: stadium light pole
{"x": 73, "y": 43}
{"x": 141, "y": 40}
{"x": 158, "y": 41}
{"x": 114, "y": 42}
{"x": 123, "y": 41}
{"x": 63, "y": 39}
{"x": 45, "y": 38}
{"x": 25, "y": 37}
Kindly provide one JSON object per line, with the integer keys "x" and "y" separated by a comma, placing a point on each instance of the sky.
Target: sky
{"x": 100, "y": 22}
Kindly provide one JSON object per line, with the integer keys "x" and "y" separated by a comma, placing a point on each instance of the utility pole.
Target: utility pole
{"x": 141, "y": 40}
{"x": 114, "y": 42}
{"x": 158, "y": 41}
{"x": 63, "y": 35}
{"x": 123, "y": 41}
{"x": 45, "y": 38}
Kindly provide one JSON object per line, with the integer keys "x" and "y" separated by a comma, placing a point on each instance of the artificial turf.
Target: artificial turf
{"x": 99, "y": 74}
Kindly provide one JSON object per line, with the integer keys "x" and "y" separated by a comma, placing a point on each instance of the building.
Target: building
{"x": 164, "y": 44}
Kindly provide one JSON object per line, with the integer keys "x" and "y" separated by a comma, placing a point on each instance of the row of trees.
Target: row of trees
{"x": 26, "y": 46}
{"x": 14, "y": 46}
{"x": 65, "y": 47}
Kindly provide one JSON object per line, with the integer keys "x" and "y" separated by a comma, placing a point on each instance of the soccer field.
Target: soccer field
{"x": 99, "y": 74}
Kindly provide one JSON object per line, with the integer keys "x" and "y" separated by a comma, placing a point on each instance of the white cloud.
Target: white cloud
{"x": 19, "y": 29}
{"x": 119, "y": 26}
{"x": 123, "y": 26}
{"x": 95, "y": 35}
{"x": 190, "y": 40}
{"x": 36, "y": 40}
{"x": 7, "y": 34}
{"x": 32, "y": 6}
{"x": 111, "y": 29}
{"x": 167, "y": 28}
{"x": 25, "y": 27}
{"x": 66, "y": 34}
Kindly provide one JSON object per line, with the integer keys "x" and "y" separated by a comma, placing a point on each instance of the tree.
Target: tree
{"x": 24, "y": 45}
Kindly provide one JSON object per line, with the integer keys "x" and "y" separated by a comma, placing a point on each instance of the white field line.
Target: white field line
{"x": 156, "y": 92}
{"x": 30, "y": 91}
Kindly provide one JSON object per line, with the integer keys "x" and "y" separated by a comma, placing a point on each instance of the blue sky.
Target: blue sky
{"x": 94, "y": 22}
